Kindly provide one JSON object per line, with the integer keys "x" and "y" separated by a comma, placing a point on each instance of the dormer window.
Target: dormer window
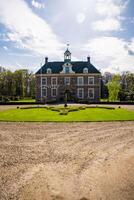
{"x": 85, "y": 70}
{"x": 67, "y": 70}
{"x": 49, "y": 71}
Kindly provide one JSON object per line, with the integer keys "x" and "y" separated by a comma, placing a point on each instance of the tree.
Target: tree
{"x": 114, "y": 88}
{"x": 20, "y": 83}
{"x": 32, "y": 85}
{"x": 6, "y": 83}
{"x": 130, "y": 86}
{"x": 127, "y": 86}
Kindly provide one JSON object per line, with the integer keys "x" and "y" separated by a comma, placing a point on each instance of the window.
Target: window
{"x": 80, "y": 93}
{"x": 80, "y": 81}
{"x": 44, "y": 92}
{"x": 67, "y": 80}
{"x": 49, "y": 71}
{"x": 90, "y": 80}
{"x": 53, "y": 92}
{"x": 44, "y": 81}
{"x": 91, "y": 93}
{"x": 53, "y": 81}
{"x": 67, "y": 70}
{"x": 85, "y": 70}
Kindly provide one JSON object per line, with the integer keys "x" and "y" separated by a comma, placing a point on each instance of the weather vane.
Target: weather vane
{"x": 67, "y": 45}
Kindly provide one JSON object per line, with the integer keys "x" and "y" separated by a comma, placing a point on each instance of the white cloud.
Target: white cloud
{"x": 111, "y": 12}
{"x": 131, "y": 44}
{"x": 112, "y": 53}
{"x": 27, "y": 30}
{"x": 4, "y": 47}
{"x": 110, "y": 8}
{"x": 108, "y": 24}
{"x": 80, "y": 18}
{"x": 38, "y": 5}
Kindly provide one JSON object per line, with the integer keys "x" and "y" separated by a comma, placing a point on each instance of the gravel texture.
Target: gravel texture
{"x": 67, "y": 161}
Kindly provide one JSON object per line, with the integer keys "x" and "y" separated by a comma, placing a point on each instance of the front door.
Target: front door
{"x": 69, "y": 95}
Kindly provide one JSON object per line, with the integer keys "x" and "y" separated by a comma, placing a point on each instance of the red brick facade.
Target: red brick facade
{"x": 72, "y": 88}
{"x": 80, "y": 81}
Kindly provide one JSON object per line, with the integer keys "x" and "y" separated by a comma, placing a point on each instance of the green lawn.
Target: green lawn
{"x": 24, "y": 100}
{"x": 44, "y": 114}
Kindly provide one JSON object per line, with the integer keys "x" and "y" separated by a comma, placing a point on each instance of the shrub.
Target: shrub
{"x": 73, "y": 109}
{"x": 5, "y": 99}
{"x": 82, "y": 108}
{"x": 63, "y": 112}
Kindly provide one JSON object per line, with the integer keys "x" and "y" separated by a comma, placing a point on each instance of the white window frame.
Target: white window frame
{"x": 68, "y": 69}
{"x": 78, "y": 78}
{"x": 49, "y": 71}
{"x": 92, "y": 92}
{"x": 42, "y": 92}
{"x": 42, "y": 81}
{"x": 65, "y": 80}
{"x": 90, "y": 77}
{"x": 85, "y": 70}
{"x": 79, "y": 93}
{"x": 52, "y": 92}
{"x": 52, "y": 80}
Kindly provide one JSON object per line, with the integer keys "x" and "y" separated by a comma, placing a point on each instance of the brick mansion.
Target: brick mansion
{"x": 80, "y": 80}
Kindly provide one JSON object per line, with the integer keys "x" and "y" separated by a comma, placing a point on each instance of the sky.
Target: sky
{"x": 30, "y": 30}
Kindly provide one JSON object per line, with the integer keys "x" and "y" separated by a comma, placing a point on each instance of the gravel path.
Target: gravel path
{"x": 67, "y": 161}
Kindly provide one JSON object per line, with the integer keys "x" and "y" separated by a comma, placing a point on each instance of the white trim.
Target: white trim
{"x": 92, "y": 92}
{"x": 85, "y": 70}
{"x": 90, "y": 77}
{"x": 70, "y": 68}
{"x": 65, "y": 80}
{"x": 82, "y": 89}
{"x": 42, "y": 92}
{"x": 52, "y": 81}
{"x": 49, "y": 70}
{"x": 67, "y": 69}
{"x": 78, "y": 78}
{"x": 52, "y": 92}
{"x": 42, "y": 81}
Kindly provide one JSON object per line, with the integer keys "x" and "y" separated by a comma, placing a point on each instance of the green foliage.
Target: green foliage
{"x": 28, "y": 100}
{"x": 16, "y": 84}
{"x": 124, "y": 84}
{"x": 45, "y": 114}
{"x": 114, "y": 88}
{"x": 64, "y": 111}
{"x": 128, "y": 86}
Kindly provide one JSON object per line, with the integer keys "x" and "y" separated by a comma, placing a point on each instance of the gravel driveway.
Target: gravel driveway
{"x": 67, "y": 161}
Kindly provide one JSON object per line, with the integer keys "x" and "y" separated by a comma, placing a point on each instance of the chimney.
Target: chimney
{"x": 46, "y": 60}
{"x": 88, "y": 59}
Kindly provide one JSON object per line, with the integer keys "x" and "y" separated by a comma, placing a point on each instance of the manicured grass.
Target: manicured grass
{"x": 24, "y": 100}
{"x": 49, "y": 115}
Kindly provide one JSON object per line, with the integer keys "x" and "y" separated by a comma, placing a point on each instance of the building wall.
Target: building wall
{"x": 72, "y": 88}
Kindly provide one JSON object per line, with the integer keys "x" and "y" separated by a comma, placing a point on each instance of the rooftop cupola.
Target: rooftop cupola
{"x": 67, "y": 55}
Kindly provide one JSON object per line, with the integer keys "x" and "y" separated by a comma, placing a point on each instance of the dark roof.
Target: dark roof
{"x": 77, "y": 67}
{"x": 67, "y": 52}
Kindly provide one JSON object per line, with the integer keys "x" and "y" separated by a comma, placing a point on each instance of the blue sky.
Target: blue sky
{"x": 30, "y": 30}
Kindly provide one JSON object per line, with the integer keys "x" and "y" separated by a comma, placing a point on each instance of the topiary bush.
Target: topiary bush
{"x": 63, "y": 112}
